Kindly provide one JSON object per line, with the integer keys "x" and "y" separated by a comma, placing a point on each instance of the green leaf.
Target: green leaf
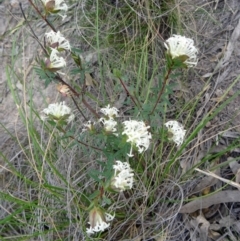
{"x": 94, "y": 195}
{"x": 107, "y": 200}
{"x": 94, "y": 174}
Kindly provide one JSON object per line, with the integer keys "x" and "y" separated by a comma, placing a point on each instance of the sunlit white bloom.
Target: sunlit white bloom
{"x": 178, "y": 45}
{"x": 111, "y": 112}
{"x": 56, "y": 40}
{"x": 55, "y": 6}
{"x": 137, "y": 134}
{"x": 58, "y": 111}
{"x": 109, "y": 124}
{"x": 123, "y": 176}
{"x": 176, "y": 131}
{"x": 98, "y": 220}
{"x": 55, "y": 62}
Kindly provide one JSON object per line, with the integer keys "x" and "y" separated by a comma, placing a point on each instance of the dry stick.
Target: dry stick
{"x": 125, "y": 88}
{"x": 34, "y": 35}
{"x": 44, "y": 18}
{"x": 162, "y": 89}
{"x": 208, "y": 173}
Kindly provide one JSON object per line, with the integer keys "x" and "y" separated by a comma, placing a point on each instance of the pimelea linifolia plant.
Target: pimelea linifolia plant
{"x": 124, "y": 138}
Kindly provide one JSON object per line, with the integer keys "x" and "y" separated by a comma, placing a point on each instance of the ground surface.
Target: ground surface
{"x": 216, "y": 25}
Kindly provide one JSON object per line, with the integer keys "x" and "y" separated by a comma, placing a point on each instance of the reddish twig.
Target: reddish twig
{"x": 90, "y": 108}
{"x": 43, "y": 17}
{"x": 125, "y": 88}
{"x": 74, "y": 101}
{"x": 34, "y": 35}
{"x": 162, "y": 89}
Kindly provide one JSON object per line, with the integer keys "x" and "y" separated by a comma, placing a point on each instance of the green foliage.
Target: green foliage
{"x": 45, "y": 75}
{"x": 65, "y": 171}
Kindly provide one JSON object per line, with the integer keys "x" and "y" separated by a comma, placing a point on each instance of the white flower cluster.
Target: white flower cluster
{"x": 137, "y": 134}
{"x": 55, "y": 62}
{"x": 108, "y": 121}
{"x": 177, "y": 131}
{"x": 58, "y": 111}
{"x": 57, "y": 41}
{"x": 123, "y": 176}
{"x": 55, "y": 6}
{"x": 98, "y": 221}
{"x": 110, "y": 112}
{"x": 109, "y": 124}
{"x": 178, "y": 45}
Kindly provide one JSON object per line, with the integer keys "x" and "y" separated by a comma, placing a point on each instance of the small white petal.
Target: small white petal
{"x": 90, "y": 231}
{"x": 109, "y": 217}
{"x": 60, "y": 5}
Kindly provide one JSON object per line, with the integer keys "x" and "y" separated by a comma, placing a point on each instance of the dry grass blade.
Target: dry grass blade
{"x": 234, "y": 184}
{"x": 205, "y": 202}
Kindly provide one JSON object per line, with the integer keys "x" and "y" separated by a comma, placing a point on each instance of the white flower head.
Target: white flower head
{"x": 137, "y": 134}
{"x": 177, "y": 131}
{"x": 178, "y": 45}
{"x": 111, "y": 112}
{"x": 123, "y": 176}
{"x": 55, "y": 63}
{"x": 55, "y": 6}
{"x": 109, "y": 124}
{"x": 57, "y": 41}
{"x": 98, "y": 220}
{"x": 58, "y": 111}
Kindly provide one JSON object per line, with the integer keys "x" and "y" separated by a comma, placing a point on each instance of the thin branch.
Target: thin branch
{"x": 125, "y": 88}
{"x": 80, "y": 142}
{"x": 79, "y": 108}
{"x": 90, "y": 108}
{"x": 162, "y": 89}
{"x": 34, "y": 35}
{"x": 43, "y": 17}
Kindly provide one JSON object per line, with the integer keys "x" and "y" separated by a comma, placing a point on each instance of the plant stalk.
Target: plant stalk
{"x": 162, "y": 89}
